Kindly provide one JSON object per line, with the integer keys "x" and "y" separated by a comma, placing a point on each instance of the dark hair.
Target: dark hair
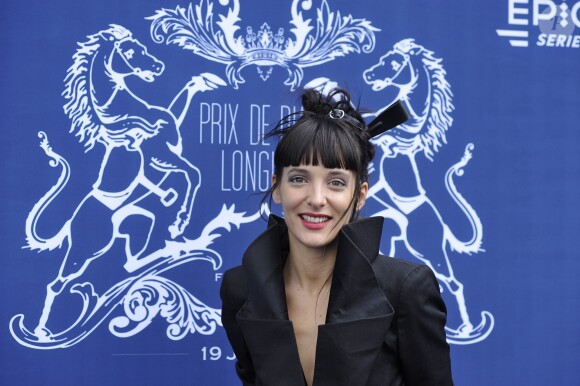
{"x": 323, "y": 135}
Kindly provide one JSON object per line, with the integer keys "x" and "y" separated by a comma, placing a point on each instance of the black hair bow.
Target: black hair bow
{"x": 391, "y": 117}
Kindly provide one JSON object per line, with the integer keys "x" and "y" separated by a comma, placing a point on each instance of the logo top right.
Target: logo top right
{"x": 544, "y": 23}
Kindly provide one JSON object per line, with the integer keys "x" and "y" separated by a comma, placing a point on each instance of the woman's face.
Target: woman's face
{"x": 316, "y": 201}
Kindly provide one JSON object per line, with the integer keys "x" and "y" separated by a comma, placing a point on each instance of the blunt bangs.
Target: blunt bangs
{"x": 318, "y": 141}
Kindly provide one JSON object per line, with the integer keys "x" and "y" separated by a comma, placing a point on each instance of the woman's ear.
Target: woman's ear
{"x": 364, "y": 189}
{"x": 275, "y": 191}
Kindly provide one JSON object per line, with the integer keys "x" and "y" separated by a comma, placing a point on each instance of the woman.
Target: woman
{"x": 313, "y": 302}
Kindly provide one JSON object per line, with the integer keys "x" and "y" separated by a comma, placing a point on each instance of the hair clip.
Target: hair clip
{"x": 340, "y": 114}
{"x": 336, "y": 113}
{"x": 391, "y": 117}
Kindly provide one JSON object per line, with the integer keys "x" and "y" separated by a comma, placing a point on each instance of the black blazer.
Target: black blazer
{"x": 385, "y": 323}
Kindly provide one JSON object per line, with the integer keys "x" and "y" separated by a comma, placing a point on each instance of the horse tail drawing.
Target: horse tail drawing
{"x": 474, "y": 244}
{"x": 33, "y": 239}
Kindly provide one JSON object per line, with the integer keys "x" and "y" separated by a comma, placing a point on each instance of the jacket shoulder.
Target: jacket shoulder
{"x": 393, "y": 274}
{"x": 393, "y": 266}
{"x": 234, "y": 288}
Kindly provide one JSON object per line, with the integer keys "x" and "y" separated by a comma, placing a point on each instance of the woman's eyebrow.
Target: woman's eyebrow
{"x": 297, "y": 170}
{"x": 339, "y": 173}
{"x": 332, "y": 173}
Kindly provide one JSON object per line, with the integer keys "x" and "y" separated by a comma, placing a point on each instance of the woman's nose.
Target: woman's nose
{"x": 316, "y": 196}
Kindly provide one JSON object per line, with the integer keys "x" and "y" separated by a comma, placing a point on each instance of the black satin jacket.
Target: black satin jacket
{"x": 385, "y": 323}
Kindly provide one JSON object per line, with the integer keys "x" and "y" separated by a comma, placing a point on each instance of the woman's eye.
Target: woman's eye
{"x": 337, "y": 183}
{"x": 297, "y": 180}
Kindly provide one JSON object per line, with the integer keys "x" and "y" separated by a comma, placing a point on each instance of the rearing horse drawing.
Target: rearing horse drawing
{"x": 142, "y": 147}
{"x": 418, "y": 78}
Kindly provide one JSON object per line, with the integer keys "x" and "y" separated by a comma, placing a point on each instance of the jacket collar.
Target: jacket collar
{"x": 358, "y": 316}
{"x": 355, "y": 292}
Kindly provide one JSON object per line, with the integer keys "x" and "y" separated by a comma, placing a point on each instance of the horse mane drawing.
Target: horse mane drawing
{"x": 438, "y": 115}
{"x": 79, "y": 93}
{"x": 430, "y": 116}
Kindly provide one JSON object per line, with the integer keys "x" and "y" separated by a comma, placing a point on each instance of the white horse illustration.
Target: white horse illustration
{"x": 142, "y": 147}
{"x": 419, "y": 80}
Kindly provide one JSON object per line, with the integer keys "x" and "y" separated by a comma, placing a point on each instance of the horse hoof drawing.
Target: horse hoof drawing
{"x": 176, "y": 229}
{"x": 205, "y": 82}
{"x": 212, "y": 80}
{"x": 42, "y": 333}
{"x": 40, "y": 338}
{"x": 467, "y": 334}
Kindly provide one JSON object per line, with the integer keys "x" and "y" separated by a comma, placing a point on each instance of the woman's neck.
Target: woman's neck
{"x": 310, "y": 269}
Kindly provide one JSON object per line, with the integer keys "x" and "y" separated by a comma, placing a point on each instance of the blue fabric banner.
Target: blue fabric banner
{"x": 134, "y": 170}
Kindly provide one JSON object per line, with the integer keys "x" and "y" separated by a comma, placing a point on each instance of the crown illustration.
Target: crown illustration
{"x": 193, "y": 29}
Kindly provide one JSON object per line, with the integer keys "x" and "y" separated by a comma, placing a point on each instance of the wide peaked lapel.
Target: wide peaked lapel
{"x": 358, "y": 317}
{"x": 359, "y": 314}
{"x": 263, "y": 318}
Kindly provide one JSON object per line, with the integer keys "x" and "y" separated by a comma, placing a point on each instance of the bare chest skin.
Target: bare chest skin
{"x": 307, "y": 311}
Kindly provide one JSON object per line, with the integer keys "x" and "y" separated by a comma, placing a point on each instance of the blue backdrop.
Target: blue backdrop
{"x": 133, "y": 173}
